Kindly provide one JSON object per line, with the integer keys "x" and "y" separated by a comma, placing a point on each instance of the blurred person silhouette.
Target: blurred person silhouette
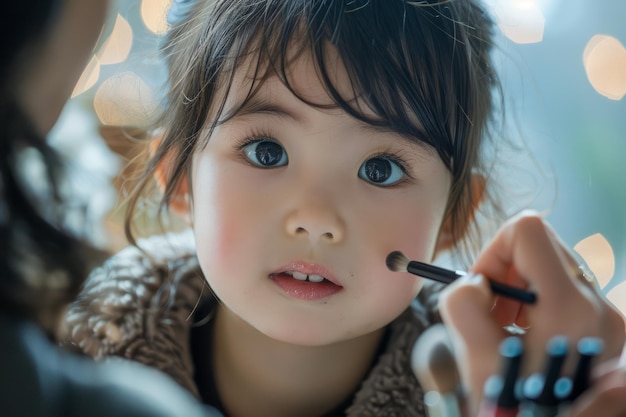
{"x": 45, "y": 46}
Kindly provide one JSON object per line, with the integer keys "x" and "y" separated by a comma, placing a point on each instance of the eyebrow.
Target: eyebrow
{"x": 257, "y": 105}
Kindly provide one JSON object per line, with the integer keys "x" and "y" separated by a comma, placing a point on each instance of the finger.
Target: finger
{"x": 465, "y": 309}
{"x": 601, "y": 318}
{"x": 506, "y": 311}
{"x": 608, "y": 320}
{"x": 607, "y": 403}
{"x": 577, "y": 270}
{"x": 510, "y": 312}
{"x": 606, "y": 377}
{"x": 525, "y": 245}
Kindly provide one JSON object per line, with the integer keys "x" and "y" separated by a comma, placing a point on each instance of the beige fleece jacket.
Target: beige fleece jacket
{"x": 140, "y": 305}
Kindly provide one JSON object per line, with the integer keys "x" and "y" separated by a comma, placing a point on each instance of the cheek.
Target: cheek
{"x": 403, "y": 223}
{"x": 234, "y": 219}
{"x": 419, "y": 219}
{"x": 221, "y": 217}
{"x": 409, "y": 225}
{"x": 417, "y": 234}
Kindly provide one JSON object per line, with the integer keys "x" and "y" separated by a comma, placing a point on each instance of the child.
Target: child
{"x": 303, "y": 140}
{"x": 45, "y": 46}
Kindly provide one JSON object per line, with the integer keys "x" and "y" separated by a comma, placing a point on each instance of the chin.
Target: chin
{"x": 304, "y": 334}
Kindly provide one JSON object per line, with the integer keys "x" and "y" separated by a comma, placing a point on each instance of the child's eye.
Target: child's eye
{"x": 382, "y": 170}
{"x": 265, "y": 153}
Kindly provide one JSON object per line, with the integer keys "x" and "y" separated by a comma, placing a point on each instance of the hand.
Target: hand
{"x": 607, "y": 396}
{"x": 526, "y": 253}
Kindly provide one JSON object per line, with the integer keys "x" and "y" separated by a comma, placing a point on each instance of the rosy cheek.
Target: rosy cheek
{"x": 227, "y": 230}
{"x": 217, "y": 234}
{"x": 226, "y": 236}
{"x": 215, "y": 224}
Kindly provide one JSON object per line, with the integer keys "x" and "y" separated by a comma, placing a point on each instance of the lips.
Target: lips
{"x": 306, "y": 281}
{"x": 301, "y": 271}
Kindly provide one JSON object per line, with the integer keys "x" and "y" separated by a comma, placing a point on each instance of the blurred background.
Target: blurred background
{"x": 563, "y": 68}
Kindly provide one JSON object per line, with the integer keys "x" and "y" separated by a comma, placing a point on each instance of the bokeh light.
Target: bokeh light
{"x": 88, "y": 78}
{"x": 605, "y": 64}
{"x": 599, "y": 256}
{"x": 118, "y": 45}
{"x": 522, "y": 21}
{"x": 124, "y": 100}
{"x": 154, "y": 15}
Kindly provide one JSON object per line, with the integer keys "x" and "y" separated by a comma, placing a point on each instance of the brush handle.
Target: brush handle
{"x": 512, "y": 292}
{"x": 447, "y": 276}
{"x": 588, "y": 349}
{"x": 433, "y": 272}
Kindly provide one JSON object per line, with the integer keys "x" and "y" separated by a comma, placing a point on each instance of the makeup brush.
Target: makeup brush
{"x": 500, "y": 390}
{"x": 396, "y": 261}
{"x": 434, "y": 365}
{"x": 538, "y": 392}
{"x": 588, "y": 348}
{"x": 568, "y": 389}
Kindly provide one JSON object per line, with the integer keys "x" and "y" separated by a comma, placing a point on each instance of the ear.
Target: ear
{"x": 447, "y": 238}
{"x": 180, "y": 203}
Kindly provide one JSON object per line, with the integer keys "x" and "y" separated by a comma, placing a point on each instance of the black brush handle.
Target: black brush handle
{"x": 588, "y": 348}
{"x": 433, "y": 272}
{"x": 513, "y": 293}
{"x": 447, "y": 276}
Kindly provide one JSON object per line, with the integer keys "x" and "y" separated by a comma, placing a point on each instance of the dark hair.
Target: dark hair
{"x": 423, "y": 67}
{"x": 42, "y": 265}
{"x": 24, "y": 22}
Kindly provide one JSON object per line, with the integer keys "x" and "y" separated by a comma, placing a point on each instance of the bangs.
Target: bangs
{"x": 408, "y": 64}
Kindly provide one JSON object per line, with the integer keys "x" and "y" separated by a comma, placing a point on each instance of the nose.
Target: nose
{"x": 317, "y": 223}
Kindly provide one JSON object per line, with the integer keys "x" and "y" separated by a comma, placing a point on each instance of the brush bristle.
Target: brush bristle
{"x": 397, "y": 262}
{"x": 433, "y": 362}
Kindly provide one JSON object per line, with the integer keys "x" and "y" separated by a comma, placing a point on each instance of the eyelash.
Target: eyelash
{"x": 260, "y": 135}
{"x": 250, "y": 138}
{"x": 397, "y": 159}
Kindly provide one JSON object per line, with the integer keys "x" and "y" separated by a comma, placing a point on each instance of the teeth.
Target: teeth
{"x": 303, "y": 277}
{"x": 299, "y": 276}
{"x": 316, "y": 278}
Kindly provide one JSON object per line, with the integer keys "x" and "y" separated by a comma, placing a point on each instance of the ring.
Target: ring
{"x": 584, "y": 274}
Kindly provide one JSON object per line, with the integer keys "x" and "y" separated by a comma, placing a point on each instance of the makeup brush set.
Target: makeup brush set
{"x": 506, "y": 394}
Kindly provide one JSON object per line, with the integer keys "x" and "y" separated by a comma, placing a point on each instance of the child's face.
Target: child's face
{"x": 284, "y": 187}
